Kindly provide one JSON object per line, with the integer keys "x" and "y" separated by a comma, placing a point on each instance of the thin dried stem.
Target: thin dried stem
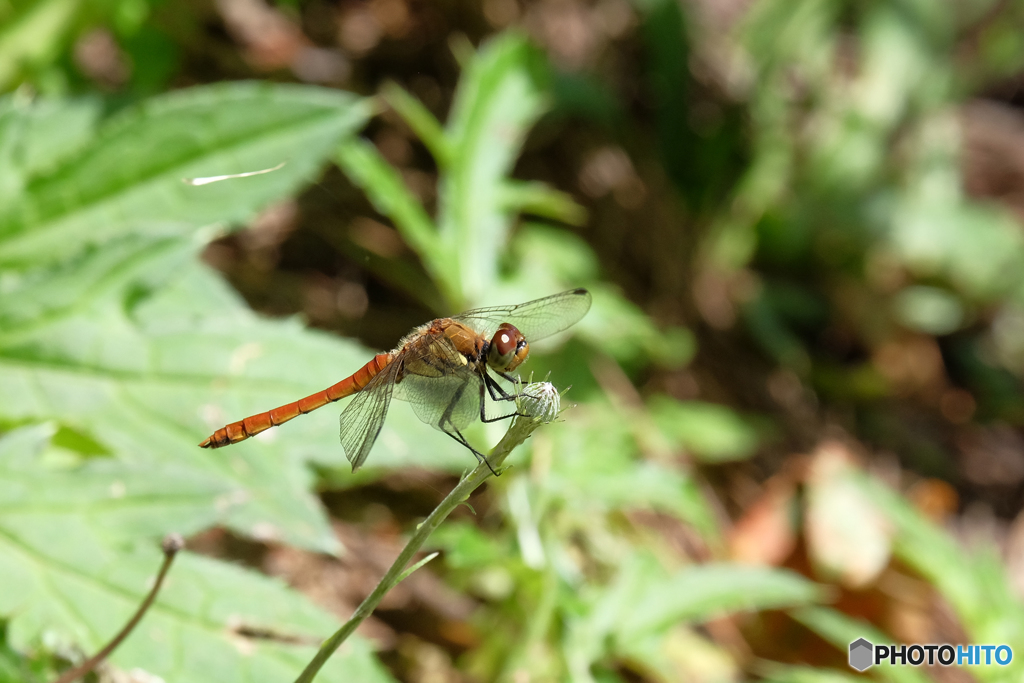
{"x": 171, "y": 545}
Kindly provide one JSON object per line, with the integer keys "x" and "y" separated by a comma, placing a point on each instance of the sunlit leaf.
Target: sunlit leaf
{"x": 78, "y": 553}
{"x": 540, "y": 200}
{"x": 147, "y": 351}
{"x": 36, "y": 135}
{"x": 929, "y": 310}
{"x": 129, "y": 178}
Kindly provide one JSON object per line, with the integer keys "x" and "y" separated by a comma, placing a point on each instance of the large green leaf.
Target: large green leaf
{"x": 78, "y": 552}
{"x": 36, "y": 136}
{"x": 145, "y": 351}
{"x": 129, "y": 178}
{"x": 113, "y": 332}
{"x": 134, "y": 346}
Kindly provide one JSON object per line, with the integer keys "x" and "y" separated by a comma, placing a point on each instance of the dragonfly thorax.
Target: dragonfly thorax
{"x": 508, "y": 349}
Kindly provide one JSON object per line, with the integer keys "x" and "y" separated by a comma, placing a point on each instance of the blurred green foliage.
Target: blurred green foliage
{"x": 824, "y": 200}
{"x": 854, "y": 183}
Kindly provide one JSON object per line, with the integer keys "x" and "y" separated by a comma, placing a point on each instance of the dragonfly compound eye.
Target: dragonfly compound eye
{"x": 508, "y": 349}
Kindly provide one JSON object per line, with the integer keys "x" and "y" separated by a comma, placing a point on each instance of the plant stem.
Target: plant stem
{"x": 521, "y": 428}
{"x": 171, "y": 545}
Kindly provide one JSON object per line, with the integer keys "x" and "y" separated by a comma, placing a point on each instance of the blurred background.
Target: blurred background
{"x": 798, "y": 413}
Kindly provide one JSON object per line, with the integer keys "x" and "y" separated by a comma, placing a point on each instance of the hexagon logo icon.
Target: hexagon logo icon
{"x": 861, "y": 654}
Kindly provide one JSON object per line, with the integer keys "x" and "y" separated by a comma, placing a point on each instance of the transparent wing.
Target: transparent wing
{"x": 363, "y": 417}
{"x": 535, "y": 319}
{"x": 445, "y": 403}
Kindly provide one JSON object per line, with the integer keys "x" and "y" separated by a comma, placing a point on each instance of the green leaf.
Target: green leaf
{"x": 76, "y": 566}
{"x": 642, "y": 603}
{"x": 422, "y": 122}
{"x": 466, "y": 547}
{"x": 621, "y": 329}
{"x": 502, "y": 93}
{"x": 129, "y": 502}
{"x": 547, "y": 256}
{"x": 680, "y": 655}
{"x": 413, "y": 567}
{"x": 504, "y": 90}
{"x": 145, "y": 351}
{"x": 36, "y": 135}
{"x": 36, "y": 666}
{"x": 540, "y": 200}
{"x": 129, "y": 179}
{"x": 703, "y": 592}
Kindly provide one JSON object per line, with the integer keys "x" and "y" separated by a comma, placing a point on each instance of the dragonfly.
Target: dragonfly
{"x": 446, "y": 369}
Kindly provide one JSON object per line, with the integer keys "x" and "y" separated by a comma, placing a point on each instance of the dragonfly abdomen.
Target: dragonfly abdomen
{"x": 254, "y": 424}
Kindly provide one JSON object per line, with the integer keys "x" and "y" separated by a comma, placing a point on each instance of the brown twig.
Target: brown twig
{"x": 171, "y": 545}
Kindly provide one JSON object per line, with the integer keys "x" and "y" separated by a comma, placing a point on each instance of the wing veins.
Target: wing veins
{"x": 363, "y": 417}
{"x": 536, "y": 319}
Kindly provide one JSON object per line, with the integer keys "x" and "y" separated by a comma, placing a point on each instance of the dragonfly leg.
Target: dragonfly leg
{"x": 446, "y": 425}
{"x": 491, "y": 387}
{"x": 495, "y": 390}
{"x": 457, "y": 435}
{"x": 515, "y": 382}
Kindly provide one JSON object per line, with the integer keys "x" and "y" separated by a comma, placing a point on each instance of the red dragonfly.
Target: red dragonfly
{"x": 444, "y": 368}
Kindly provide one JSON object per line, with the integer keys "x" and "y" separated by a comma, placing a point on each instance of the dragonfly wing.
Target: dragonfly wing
{"x": 446, "y": 403}
{"x": 536, "y": 319}
{"x": 363, "y": 417}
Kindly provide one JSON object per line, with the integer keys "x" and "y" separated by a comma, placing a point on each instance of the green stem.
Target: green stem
{"x": 520, "y": 430}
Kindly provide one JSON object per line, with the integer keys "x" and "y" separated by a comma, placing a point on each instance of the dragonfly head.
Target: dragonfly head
{"x": 508, "y": 349}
